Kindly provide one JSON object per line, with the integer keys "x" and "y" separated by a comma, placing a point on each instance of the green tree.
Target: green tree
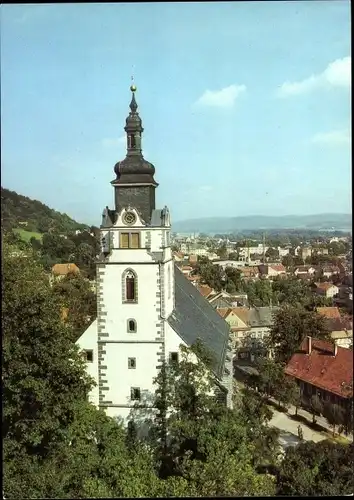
{"x": 233, "y": 280}
{"x": 211, "y": 274}
{"x": 316, "y": 405}
{"x": 291, "y": 325}
{"x": 211, "y": 449}
{"x": 75, "y": 295}
{"x": 334, "y": 414}
{"x": 316, "y": 469}
{"x": 272, "y": 253}
{"x": 222, "y": 251}
{"x": 43, "y": 375}
{"x": 292, "y": 291}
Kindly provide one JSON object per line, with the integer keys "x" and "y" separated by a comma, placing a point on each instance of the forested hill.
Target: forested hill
{"x": 18, "y": 211}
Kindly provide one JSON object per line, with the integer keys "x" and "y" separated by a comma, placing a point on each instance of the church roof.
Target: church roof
{"x": 193, "y": 318}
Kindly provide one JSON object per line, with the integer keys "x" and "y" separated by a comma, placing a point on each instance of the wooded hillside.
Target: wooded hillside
{"x": 18, "y": 211}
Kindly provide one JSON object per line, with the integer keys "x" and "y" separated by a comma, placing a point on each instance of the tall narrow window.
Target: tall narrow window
{"x": 129, "y": 240}
{"x": 134, "y": 240}
{"x": 131, "y": 363}
{"x": 130, "y": 286}
{"x": 173, "y": 357}
{"x": 131, "y": 326}
{"x": 132, "y": 141}
{"x": 124, "y": 240}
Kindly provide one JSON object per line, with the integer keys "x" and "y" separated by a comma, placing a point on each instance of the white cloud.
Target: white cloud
{"x": 205, "y": 188}
{"x": 223, "y": 98}
{"x": 114, "y": 142}
{"x": 333, "y": 138}
{"x": 337, "y": 74}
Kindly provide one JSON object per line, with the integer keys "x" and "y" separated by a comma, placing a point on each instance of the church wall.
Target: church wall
{"x": 116, "y": 313}
{"x": 88, "y": 340}
{"x": 122, "y": 378}
{"x": 172, "y": 341}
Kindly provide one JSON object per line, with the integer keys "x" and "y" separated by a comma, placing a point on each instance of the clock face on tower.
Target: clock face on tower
{"x": 129, "y": 218}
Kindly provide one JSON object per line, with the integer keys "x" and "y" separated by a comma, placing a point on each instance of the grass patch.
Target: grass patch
{"x": 27, "y": 235}
{"x": 338, "y": 439}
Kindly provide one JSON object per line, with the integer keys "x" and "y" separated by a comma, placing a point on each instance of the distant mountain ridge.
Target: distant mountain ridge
{"x": 258, "y": 222}
{"x": 19, "y": 211}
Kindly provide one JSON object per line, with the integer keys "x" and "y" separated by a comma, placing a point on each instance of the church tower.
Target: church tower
{"x": 146, "y": 308}
{"x": 135, "y": 184}
{"x": 135, "y": 281}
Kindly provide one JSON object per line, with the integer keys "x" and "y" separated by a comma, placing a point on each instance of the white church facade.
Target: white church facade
{"x": 146, "y": 308}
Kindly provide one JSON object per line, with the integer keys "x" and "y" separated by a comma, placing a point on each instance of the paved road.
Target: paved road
{"x": 289, "y": 430}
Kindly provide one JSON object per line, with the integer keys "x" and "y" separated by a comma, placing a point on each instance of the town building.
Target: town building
{"x": 146, "y": 307}
{"x": 250, "y": 328}
{"x": 329, "y": 271}
{"x": 340, "y": 327}
{"x": 305, "y": 252}
{"x": 272, "y": 270}
{"x": 323, "y": 369}
{"x": 327, "y": 290}
{"x": 306, "y": 270}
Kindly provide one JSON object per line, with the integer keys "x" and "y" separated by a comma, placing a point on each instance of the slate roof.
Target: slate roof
{"x": 193, "y": 317}
{"x": 261, "y": 316}
{"x": 321, "y": 368}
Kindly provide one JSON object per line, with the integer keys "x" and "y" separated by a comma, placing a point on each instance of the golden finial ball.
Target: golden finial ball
{"x": 133, "y": 88}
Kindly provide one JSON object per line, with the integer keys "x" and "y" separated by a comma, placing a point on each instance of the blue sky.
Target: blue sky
{"x": 246, "y": 106}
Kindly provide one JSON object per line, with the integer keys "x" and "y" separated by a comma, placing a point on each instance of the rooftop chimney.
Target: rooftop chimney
{"x": 335, "y": 349}
{"x": 309, "y": 345}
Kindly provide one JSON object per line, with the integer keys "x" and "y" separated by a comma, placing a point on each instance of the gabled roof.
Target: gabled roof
{"x": 224, "y": 311}
{"x": 64, "y": 269}
{"x": 242, "y": 313}
{"x": 193, "y": 318}
{"x": 321, "y": 368}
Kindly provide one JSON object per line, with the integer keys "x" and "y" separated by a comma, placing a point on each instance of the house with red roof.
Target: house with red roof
{"x": 271, "y": 270}
{"x": 323, "y": 369}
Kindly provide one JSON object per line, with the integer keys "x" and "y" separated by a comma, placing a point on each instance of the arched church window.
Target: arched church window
{"x": 130, "y": 286}
{"x": 131, "y": 326}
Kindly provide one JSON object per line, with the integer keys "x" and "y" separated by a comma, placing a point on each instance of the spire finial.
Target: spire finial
{"x": 133, "y": 104}
{"x": 132, "y": 87}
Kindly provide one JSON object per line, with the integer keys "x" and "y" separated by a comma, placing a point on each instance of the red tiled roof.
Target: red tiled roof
{"x": 223, "y": 311}
{"x": 278, "y": 267}
{"x": 324, "y": 286}
{"x": 328, "y": 312}
{"x": 205, "y": 290}
{"x": 321, "y": 368}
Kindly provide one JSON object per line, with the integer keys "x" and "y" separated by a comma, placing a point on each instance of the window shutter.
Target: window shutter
{"x": 134, "y": 240}
{"x": 124, "y": 240}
